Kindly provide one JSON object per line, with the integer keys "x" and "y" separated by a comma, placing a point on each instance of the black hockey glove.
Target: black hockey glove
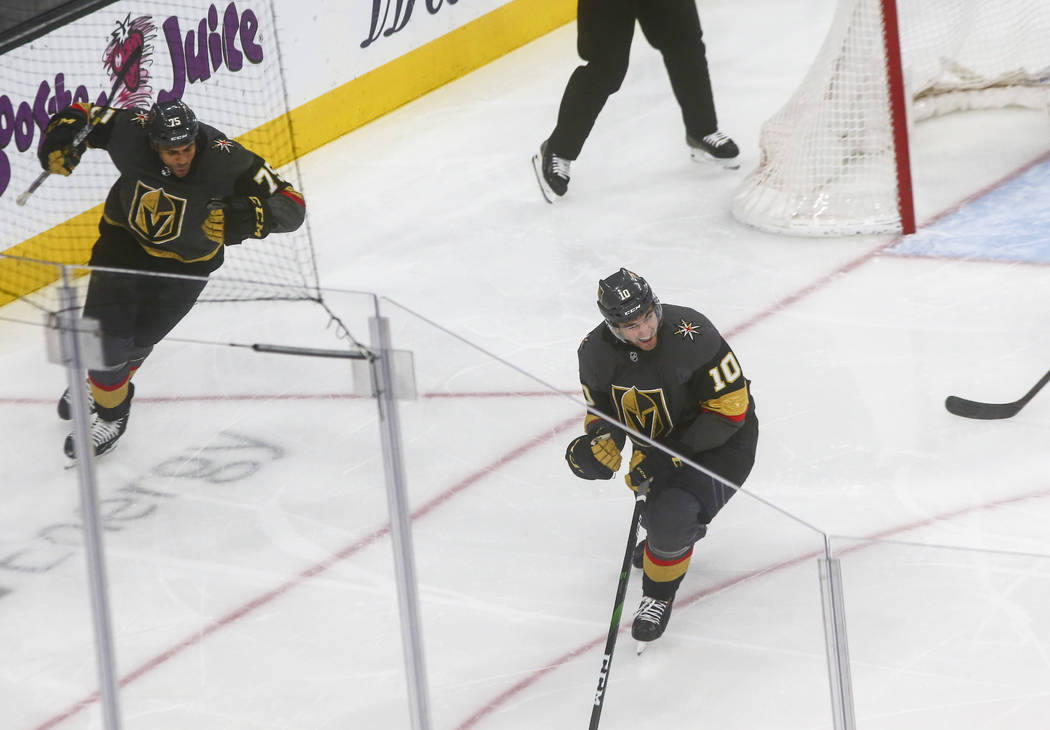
{"x": 593, "y": 456}
{"x": 233, "y": 219}
{"x": 57, "y": 154}
{"x": 650, "y": 466}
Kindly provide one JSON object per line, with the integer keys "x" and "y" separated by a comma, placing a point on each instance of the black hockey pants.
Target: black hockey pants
{"x": 679, "y": 509}
{"x": 135, "y": 311}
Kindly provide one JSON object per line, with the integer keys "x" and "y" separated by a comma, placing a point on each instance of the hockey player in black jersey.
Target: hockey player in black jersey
{"x": 185, "y": 192}
{"x": 665, "y": 372}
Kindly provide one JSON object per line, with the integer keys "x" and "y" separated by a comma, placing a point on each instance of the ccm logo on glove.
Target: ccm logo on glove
{"x": 652, "y": 465}
{"x": 231, "y": 220}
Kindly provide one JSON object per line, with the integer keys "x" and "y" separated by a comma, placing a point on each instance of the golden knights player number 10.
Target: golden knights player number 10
{"x": 666, "y": 372}
{"x": 185, "y": 192}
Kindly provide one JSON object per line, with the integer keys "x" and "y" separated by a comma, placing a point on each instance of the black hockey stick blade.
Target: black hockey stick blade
{"x": 992, "y": 411}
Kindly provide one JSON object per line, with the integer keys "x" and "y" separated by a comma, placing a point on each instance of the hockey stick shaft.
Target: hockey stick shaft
{"x": 992, "y": 411}
{"x": 86, "y": 129}
{"x": 614, "y": 624}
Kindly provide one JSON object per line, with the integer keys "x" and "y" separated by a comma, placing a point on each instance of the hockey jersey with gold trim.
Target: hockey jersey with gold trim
{"x": 165, "y": 213}
{"x": 689, "y": 392}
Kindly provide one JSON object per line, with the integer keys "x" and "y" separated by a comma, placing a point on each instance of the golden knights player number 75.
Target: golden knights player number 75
{"x": 185, "y": 192}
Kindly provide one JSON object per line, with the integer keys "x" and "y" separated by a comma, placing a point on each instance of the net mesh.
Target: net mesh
{"x": 828, "y": 164}
{"x": 223, "y": 61}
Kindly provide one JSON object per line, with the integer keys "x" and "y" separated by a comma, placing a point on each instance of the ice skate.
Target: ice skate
{"x": 716, "y": 147}
{"x": 650, "y": 620}
{"x": 65, "y": 404}
{"x": 103, "y": 435}
{"x": 552, "y": 173}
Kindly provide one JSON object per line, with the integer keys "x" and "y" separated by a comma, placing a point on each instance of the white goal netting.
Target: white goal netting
{"x": 829, "y": 162}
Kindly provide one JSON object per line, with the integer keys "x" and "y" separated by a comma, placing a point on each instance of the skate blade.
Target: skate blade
{"x": 545, "y": 189}
{"x": 703, "y": 158}
{"x": 641, "y": 646}
{"x": 71, "y": 461}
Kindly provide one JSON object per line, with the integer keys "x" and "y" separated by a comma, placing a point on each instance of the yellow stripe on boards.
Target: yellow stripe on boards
{"x": 322, "y": 120}
{"x": 66, "y": 243}
{"x": 425, "y": 69}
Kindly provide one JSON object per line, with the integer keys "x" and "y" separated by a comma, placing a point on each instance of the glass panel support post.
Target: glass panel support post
{"x": 836, "y": 643}
{"x": 385, "y": 385}
{"x": 79, "y": 346}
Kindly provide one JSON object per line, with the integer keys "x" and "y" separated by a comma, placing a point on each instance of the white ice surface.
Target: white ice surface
{"x": 246, "y": 529}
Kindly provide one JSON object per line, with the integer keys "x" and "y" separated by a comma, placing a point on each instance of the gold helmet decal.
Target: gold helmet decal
{"x": 156, "y": 215}
{"x": 644, "y": 411}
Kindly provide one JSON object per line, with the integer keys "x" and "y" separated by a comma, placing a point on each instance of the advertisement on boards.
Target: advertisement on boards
{"x": 240, "y": 65}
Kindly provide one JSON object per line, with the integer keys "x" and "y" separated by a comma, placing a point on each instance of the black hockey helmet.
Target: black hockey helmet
{"x": 625, "y": 296}
{"x": 171, "y": 124}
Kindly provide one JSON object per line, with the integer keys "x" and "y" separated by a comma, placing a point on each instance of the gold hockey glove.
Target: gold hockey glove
{"x": 57, "y": 154}
{"x": 62, "y": 162}
{"x": 650, "y": 466}
{"x": 593, "y": 457}
{"x": 605, "y": 450}
{"x": 233, "y": 219}
{"x": 214, "y": 225}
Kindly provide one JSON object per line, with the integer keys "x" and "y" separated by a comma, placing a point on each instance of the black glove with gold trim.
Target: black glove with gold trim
{"x": 651, "y": 465}
{"x": 57, "y": 154}
{"x": 594, "y": 456}
{"x": 233, "y": 219}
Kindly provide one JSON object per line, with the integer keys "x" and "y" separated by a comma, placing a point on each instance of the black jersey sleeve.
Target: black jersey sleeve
{"x": 104, "y": 123}
{"x": 596, "y": 393}
{"x": 721, "y": 391}
{"x": 67, "y": 122}
{"x": 287, "y": 206}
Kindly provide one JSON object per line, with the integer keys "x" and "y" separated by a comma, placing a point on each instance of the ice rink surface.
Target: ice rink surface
{"x": 246, "y": 531}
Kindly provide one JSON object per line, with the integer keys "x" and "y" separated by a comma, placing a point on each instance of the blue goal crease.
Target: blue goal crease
{"x": 1008, "y": 223}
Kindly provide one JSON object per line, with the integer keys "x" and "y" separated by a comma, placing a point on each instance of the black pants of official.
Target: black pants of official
{"x": 137, "y": 306}
{"x": 604, "y": 30}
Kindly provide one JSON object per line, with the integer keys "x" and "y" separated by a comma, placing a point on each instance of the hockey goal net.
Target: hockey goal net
{"x": 835, "y": 159}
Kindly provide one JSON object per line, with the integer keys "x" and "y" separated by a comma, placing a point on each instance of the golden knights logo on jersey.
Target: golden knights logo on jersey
{"x": 156, "y": 215}
{"x": 643, "y": 410}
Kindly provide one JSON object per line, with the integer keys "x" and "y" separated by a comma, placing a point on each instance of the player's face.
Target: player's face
{"x": 641, "y": 331}
{"x": 178, "y": 159}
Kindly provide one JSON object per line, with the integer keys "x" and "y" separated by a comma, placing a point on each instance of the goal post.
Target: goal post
{"x": 835, "y": 160}
{"x": 898, "y": 116}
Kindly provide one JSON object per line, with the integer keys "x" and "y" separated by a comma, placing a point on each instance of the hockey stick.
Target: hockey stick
{"x": 621, "y": 593}
{"x": 86, "y": 129}
{"x": 992, "y": 411}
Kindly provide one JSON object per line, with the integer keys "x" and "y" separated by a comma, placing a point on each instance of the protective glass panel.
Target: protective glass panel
{"x": 252, "y": 572}
{"x": 954, "y": 634}
{"x": 243, "y": 518}
{"x": 519, "y": 561}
